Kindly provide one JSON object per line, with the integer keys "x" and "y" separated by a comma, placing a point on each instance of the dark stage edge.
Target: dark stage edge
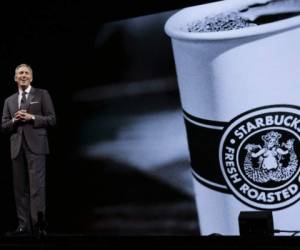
{"x": 80, "y": 241}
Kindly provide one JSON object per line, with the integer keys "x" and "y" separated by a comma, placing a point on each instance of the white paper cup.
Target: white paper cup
{"x": 240, "y": 94}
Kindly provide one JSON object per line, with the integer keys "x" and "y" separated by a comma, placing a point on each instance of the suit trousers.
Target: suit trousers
{"x": 29, "y": 176}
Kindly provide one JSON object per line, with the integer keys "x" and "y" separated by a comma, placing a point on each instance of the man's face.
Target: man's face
{"x": 23, "y": 77}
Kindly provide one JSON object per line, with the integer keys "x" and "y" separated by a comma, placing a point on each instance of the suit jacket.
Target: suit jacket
{"x": 39, "y": 104}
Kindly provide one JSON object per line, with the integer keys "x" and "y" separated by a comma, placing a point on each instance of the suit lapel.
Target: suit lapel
{"x": 15, "y": 102}
{"x": 30, "y": 97}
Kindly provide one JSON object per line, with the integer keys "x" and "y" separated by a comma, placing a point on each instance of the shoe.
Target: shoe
{"x": 20, "y": 231}
{"x": 39, "y": 231}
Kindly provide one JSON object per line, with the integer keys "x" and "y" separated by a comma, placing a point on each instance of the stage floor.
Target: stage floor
{"x": 80, "y": 241}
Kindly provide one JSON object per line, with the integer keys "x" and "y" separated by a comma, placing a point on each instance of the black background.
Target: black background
{"x": 57, "y": 38}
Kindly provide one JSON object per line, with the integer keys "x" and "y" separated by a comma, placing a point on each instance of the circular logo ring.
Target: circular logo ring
{"x": 259, "y": 154}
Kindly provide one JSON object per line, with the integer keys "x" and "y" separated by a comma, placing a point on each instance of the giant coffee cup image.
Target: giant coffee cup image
{"x": 237, "y": 65}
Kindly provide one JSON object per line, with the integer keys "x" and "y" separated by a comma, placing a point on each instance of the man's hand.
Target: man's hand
{"x": 22, "y": 115}
{"x": 18, "y": 115}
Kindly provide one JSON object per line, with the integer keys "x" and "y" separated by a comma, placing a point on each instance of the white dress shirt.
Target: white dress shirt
{"x": 27, "y": 91}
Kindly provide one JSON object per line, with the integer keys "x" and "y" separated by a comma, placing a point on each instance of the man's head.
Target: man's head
{"x": 23, "y": 75}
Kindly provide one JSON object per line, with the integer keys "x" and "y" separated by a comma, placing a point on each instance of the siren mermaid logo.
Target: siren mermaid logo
{"x": 265, "y": 163}
{"x": 259, "y": 154}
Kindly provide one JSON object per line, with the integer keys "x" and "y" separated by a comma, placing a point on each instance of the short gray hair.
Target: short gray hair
{"x": 23, "y": 65}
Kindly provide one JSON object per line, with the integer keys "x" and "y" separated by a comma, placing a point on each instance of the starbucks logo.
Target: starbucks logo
{"x": 259, "y": 157}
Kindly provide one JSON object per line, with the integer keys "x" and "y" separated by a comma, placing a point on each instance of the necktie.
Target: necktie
{"x": 23, "y": 101}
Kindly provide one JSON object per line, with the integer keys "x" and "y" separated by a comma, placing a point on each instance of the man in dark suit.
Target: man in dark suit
{"x": 27, "y": 115}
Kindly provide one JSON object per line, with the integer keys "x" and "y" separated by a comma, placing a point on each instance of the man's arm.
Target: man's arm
{"x": 48, "y": 119}
{"x": 8, "y": 123}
